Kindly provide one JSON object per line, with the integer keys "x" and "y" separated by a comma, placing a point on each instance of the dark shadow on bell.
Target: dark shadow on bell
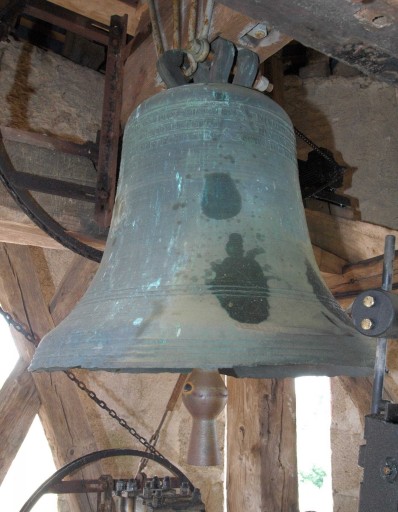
{"x": 221, "y": 198}
{"x": 240, "y": 284}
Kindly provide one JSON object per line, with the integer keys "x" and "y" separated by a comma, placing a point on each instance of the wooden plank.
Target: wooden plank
{"x": 233, "y": 25}
{"x": 102, "y": 10}
{"x": 359, "y": 277}
{"x": 19, "y": 404}
{"x": 72, "y": 287}
{"x": 328, "y": 263}
{"x": 351, "y": 240}
{"x": 27, "y": 233}
{"x": 261, "y": 441}
{"x": 140, "y": 76}
{"x": 62, "y": 413}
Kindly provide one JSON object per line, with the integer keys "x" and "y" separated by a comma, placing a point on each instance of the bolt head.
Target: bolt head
{"x": 366, "y": 324}
{"x": 259, "y": 31}
{"x": 368, "y": 301}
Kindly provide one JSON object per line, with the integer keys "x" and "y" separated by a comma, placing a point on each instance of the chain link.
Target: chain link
{"x": 80, "y": 384}
{"x": 312, "y": 144}
{"x": 32, "y": 338}
{"x": 113, "y": 414}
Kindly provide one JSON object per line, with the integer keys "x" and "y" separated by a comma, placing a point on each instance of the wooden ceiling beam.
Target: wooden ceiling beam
{"x": 27, "y": 233}
{"x": 361, "y": 34}
{"x": 356, "y": 278}
{"x": 352, "y": 240}
{"x": 336, "y": 243}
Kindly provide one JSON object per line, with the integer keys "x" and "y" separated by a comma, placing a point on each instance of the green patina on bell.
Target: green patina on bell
{"x": 208, "y": 263}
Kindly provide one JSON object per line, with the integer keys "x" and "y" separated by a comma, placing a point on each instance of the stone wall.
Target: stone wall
{"x": 356, "y": 118}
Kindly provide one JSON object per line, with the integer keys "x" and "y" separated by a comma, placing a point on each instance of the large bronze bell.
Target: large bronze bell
{"x": 208, "y": 263}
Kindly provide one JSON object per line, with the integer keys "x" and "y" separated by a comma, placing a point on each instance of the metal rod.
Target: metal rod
{"x": 193, "y": 18}
{"x": 176, "y": 25}
{"x": 204, "y": 33}
{"x": 388, "y": 263}
{"x": 156, "y": 33}
{"x": 381, "y": 350}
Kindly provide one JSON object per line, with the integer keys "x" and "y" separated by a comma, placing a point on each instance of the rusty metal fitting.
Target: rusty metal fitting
{"x": 199, "y": 49}
{"x": 259, "y": 31}
{"x": 193, "y": 65}
{"x": 262, "y": 84}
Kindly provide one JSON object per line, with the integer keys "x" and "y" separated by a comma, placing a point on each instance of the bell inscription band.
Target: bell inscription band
{"x": 208, "y": 262}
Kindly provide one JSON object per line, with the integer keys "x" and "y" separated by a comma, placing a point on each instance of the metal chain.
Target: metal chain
{"x": 32, "y": 338}
{"x": 80, "y": 384}
{"x": 113, "y": 414}
{"x": 317, "y": 149}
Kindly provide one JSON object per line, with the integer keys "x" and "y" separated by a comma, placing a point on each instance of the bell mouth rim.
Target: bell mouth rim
{"x": 255, "y": 372}
{"x": 344, "y": 355}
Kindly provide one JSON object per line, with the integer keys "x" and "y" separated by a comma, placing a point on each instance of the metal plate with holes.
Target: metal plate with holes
{"x": 379, "y": 458}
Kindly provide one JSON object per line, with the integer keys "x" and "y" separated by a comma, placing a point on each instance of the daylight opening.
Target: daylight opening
{"x": 33, "y": 463}
{"x": 9, "y": 353}
{"x": 313, "y": 444}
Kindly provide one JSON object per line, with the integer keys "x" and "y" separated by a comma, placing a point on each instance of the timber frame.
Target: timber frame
{"x": 347, "y": 252}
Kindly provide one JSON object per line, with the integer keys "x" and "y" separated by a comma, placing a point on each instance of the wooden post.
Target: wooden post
{"x": 72, "y": 287}
{"x": 261, "y": 441}
{"x": 19, "y": 404}
{"x": 62, "y": 413}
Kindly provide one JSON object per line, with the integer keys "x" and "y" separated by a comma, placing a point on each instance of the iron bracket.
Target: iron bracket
{"x": 110, "y": 129}
{"x": 379, "y": 456}
{"x": 320, "y": 177}
{"x": 218, "y": 68}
